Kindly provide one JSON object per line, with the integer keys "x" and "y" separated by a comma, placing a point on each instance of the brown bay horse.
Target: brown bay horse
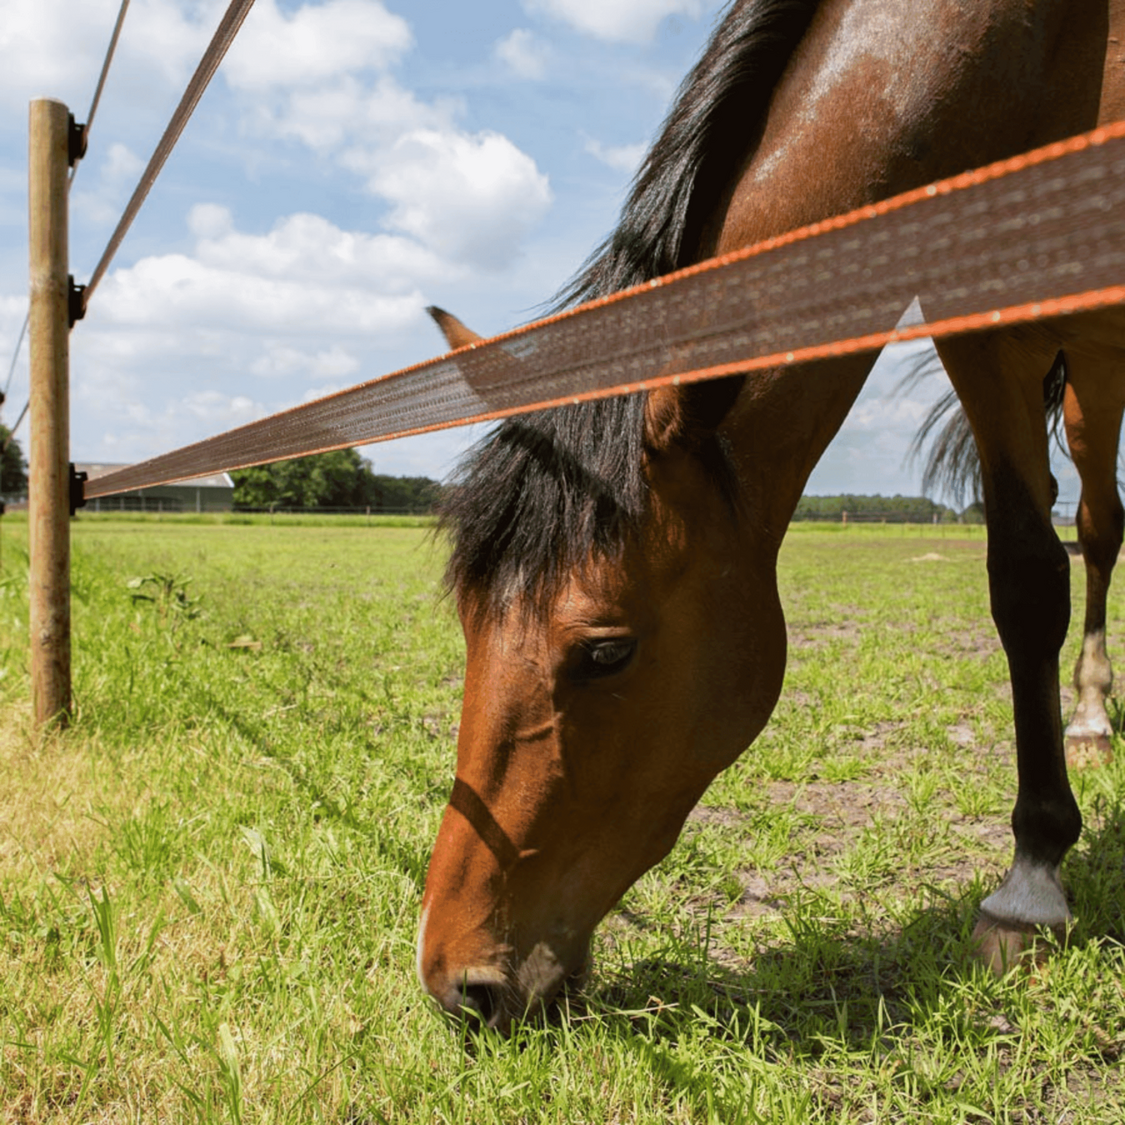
{"x": 614, "y": 562}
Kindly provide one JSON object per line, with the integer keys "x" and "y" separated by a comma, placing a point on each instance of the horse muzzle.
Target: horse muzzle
{"x": 496, "y": 994}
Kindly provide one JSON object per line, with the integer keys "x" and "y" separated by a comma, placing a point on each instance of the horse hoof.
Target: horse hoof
{"x": 1002, "y": 945}
{"x": 1088, "y": 751}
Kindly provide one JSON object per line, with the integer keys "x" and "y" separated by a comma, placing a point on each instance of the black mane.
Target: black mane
{"x": 716, "y": 119}
{"x": 546, "y": 490}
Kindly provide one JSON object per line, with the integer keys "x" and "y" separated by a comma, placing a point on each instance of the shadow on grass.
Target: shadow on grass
{"x": 410, "y": 858}
{"x": 829, "y": 989}
{"x": 1094, "y": 874}
{"x": 821, "y": 983}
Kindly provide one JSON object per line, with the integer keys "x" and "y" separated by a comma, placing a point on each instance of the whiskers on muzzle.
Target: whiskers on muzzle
{"x": 490, "y": 998}
{"x": 494, "y": 1003}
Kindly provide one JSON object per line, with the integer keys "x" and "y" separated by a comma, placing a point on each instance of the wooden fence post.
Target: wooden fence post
{"x": 48, "y": 476}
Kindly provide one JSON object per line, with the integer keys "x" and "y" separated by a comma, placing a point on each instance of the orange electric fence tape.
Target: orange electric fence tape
{"x": 1041, "y": 235}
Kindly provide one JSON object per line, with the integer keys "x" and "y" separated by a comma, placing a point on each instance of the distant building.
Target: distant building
{"x": 200, "y": 494}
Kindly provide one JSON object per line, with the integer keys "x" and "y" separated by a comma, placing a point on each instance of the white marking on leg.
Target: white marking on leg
{"x": 1031, "y": 895}
{"x": 1093, "y": 677}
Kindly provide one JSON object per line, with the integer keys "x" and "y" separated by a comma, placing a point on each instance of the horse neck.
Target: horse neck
{"x": 882, "y": 97}
{"x": 978, "y": 82}
{"x": 780, "y": 426}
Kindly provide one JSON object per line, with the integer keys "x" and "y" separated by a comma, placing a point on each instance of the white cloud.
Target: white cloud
{"x": 334, "y": 362}
{"x": 217, "y": 408}
{"x": 314, "y": 43}
{"x": 99, "y": 199}
{"x": 13, "y": 309}
{"x": 55, "y": 47}
{"x": 135, "y": 430}
{"x": 209, "y": 220}
{"x": 348, "y": 112}
{"x": 313, "y": 393}
{"x": 40, "y": 43}
{"x": 523, "y": 53}
{"x": 310, "y": 250}
{"x": 121, "y": 164}
{"x": 167, "y": 35}
{"x": 633, "y": 21}
{"x": 622, "y": 158}
{"x": 469, "y": 198}
{"x": 304, "y": 276}
{"x": 180, "y": 291}
{"x": 307, "y": 307}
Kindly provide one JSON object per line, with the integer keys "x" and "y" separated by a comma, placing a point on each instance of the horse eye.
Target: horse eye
{"x": 605, "y": 658}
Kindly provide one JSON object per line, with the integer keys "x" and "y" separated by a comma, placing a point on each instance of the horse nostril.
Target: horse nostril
{"x": 478, "y": 1002}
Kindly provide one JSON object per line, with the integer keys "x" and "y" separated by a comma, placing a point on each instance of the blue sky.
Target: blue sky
{"x": 352, "y": 162}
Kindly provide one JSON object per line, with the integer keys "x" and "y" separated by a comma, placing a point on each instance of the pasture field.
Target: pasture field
{"x": 209, "y": 885}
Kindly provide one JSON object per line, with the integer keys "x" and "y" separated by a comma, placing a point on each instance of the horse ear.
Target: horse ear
{"x": 676, "y": 414}
{"x": 455, "y": 333}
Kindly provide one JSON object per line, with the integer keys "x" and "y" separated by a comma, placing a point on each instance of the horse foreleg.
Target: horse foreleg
{"x": 998, "y": 378}
{"x": 1092, "y": 415}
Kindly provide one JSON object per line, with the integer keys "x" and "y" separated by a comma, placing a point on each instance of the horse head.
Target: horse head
{"x": 622, "y": 648}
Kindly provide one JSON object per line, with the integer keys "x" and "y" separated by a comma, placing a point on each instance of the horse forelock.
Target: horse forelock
{"x": 547, "y": 492}
{"x": 542, "y": 495}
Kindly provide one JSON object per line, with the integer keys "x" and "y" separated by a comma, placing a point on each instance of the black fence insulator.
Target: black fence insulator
{"x": 77, "y": 489}
{"x": 77, "y": 146}
{"x": 76, "y": 300}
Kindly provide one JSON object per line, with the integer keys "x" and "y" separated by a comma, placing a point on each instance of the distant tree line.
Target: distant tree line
{"x": 889, "y": 509}
{"x": 343, "y": 479}
{"x": 340, "y": 479}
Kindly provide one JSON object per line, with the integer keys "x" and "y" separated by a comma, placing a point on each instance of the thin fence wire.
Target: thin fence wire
{"x": 15, "y": 357}
{"x": 96, "y": 100}
{"x": 107, "y": 62}
{"x": 228, "y": 28}
{"x": 12, "y": 431}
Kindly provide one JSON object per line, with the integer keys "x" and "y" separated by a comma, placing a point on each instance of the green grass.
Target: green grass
{"x": 209, "y": 886}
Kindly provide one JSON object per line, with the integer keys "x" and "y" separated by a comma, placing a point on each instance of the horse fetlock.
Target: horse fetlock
{"x": 1046, "y": 826}
{"x": 1090, "y": 733}
{"x": 1093, "y": 673}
